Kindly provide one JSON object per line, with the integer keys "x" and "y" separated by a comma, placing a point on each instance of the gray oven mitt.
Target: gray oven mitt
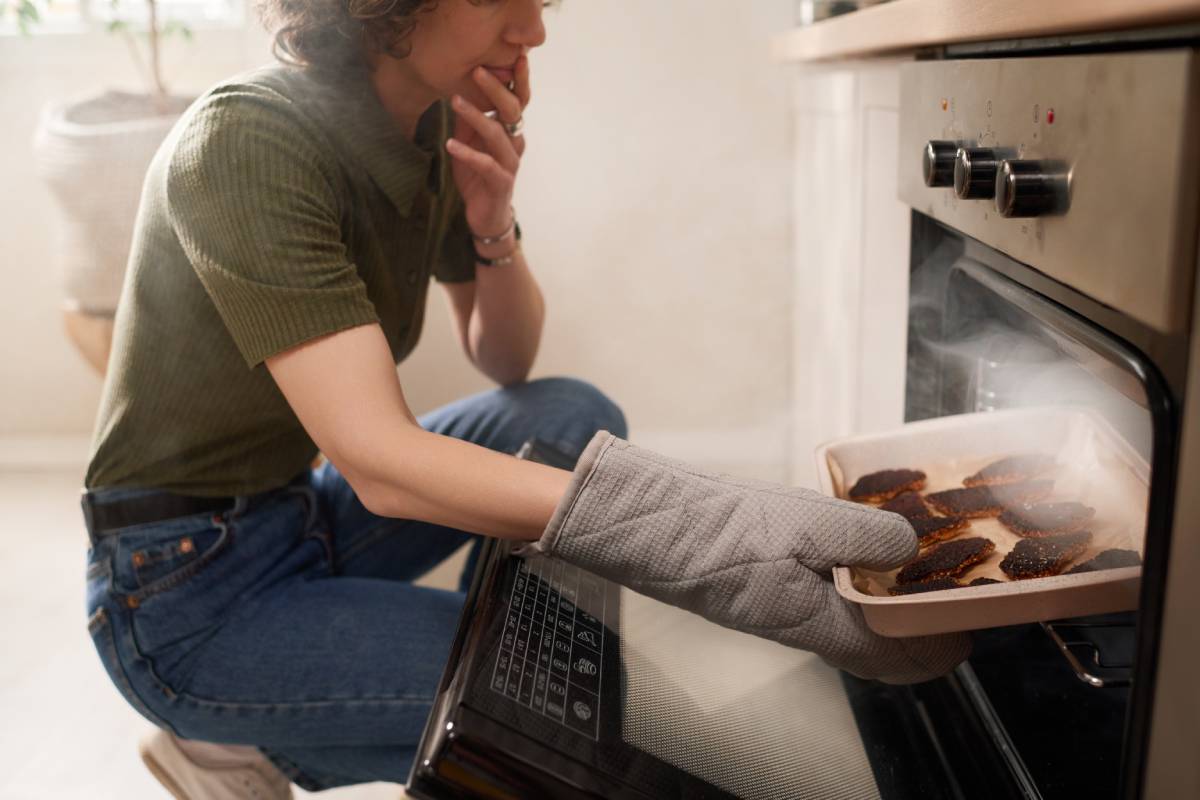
{"x": 748, "y": 555}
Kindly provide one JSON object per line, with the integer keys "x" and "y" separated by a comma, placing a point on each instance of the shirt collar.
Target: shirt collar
{"x": 360, "y": 124}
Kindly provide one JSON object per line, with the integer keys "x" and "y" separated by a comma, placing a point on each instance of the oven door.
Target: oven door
{"x": 686, "y": 709}
{"x": 1046, "y": 710}
{"x": 681, "y": 708}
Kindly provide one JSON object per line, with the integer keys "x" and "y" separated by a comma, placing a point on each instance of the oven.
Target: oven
{"x": 1074, "y": 288}
{"x": 1053, "y": 263}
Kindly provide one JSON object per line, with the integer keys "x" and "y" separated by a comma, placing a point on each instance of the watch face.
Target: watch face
{"x": 546, "y": 453}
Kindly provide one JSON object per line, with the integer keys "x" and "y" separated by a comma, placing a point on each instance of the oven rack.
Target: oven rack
{"x": 1099, "y": 649}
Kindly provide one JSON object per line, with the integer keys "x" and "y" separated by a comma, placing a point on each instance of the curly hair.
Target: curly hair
{"x": 338, "y": 33}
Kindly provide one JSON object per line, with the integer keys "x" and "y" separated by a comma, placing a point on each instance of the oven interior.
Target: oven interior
{"x": 1040, "y": 710}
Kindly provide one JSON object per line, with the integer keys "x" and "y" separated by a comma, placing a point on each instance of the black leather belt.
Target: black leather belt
{"x": 104, "y": 519}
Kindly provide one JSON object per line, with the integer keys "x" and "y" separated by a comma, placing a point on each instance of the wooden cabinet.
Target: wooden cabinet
{"x": 851, "y": 252}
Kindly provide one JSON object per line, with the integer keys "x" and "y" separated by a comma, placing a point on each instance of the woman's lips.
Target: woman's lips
{"x": 503, "y": 74}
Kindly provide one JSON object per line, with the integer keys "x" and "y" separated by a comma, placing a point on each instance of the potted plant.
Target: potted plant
{"x": 93, "y": 153}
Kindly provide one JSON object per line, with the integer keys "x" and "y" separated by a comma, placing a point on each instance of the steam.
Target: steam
{"x": 972, "y": 351}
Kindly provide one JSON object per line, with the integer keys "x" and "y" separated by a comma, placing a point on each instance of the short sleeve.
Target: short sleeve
{"x": 252, "y": 197}
{"x": 456, "y": 259}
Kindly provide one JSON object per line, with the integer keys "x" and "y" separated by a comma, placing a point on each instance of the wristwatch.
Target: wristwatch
{"x": 499, "y": 261}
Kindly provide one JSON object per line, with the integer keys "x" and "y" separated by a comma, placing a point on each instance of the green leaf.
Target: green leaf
{"x": 176, "y": 27}
{"x": 116, "y": 26}
{"x": 27, "y": 16}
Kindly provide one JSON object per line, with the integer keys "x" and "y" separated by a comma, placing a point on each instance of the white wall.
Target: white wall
{"x": 654, "y": 197}
{"x": 850, "y": 301}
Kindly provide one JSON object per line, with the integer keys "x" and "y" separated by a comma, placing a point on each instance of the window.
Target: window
{"x": 80, "y": 16}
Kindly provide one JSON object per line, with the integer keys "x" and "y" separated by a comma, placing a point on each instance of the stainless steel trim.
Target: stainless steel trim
{"x": 1122, "y": 126}
{"x": 1172, "y": 767}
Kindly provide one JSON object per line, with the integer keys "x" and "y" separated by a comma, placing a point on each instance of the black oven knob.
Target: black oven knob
{"x": 937, "y": 162}
{"x": 1030, "y": 188}
{"x": 975, "y": 172}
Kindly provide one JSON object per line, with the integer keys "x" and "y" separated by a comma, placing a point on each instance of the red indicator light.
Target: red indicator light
{"x": 1049, "y": 116}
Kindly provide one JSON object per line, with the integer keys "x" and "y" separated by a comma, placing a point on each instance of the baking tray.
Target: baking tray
{"x": 1095, "y": 466}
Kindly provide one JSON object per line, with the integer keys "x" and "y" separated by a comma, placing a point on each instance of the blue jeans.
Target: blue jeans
{"x": 291, "y": 623}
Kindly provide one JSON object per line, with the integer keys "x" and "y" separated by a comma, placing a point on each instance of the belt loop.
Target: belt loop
{"x": 310, "y": 499}
{"x": 240, "y": 504}
{"x": 85, "y": 503}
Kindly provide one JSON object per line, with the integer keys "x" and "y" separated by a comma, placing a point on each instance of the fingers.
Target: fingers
{"x": 499, "y": 180}
{"x": 932, "y": 656}
{"x": 521, "y": 85}
{"x": 843, "y": 639}
{"x": 854, "y": 535}
{"x": 499, "y": 144}
{"x": 509, "y": 105}
{"x": 880, "y": 540}
{"x": 521, "y": 88}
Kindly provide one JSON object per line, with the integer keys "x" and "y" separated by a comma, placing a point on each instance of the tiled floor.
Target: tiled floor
{"x": 65, "y": 732}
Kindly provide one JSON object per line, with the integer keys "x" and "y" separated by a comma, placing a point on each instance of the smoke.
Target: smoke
{"x": 976, "y": 346}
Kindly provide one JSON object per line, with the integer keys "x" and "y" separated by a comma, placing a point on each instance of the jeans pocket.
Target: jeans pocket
{"x": 165, "y": 555}
{"x": 100, "y": 628}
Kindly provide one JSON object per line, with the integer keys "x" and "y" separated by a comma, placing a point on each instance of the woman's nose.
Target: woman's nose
{"x": 526, "y": 28}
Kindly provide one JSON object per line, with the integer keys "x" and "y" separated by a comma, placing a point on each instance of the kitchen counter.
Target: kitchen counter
{"x": 904, "y": 26}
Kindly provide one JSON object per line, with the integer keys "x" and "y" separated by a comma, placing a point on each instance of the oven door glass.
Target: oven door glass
{"x": 979, "y": 341}
{"x": 1038, "y": 710}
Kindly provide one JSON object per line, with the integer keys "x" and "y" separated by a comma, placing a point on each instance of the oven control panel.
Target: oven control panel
{"x": 1082, "y": 166}
{"x": 1021, "y": 187}
{"x": 1031, "y": 187}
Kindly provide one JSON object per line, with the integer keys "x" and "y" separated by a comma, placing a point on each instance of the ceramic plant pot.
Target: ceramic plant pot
{"x": 93, "y": 154}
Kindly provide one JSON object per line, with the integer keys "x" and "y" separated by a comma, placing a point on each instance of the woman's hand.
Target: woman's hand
{"x": 486, "y": 156}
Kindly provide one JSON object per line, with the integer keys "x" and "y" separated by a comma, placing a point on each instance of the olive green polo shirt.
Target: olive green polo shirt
{"x": 285, "y": 205}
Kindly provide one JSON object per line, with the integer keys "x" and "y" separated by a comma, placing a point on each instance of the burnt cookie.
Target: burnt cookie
{"x": 1108, "y": 559}
{"x": 937, "y": 584}
{"x": 886, "y": 484}
{"x": 983, "y": 582}
{"x": 909, "y": 505}
{"x": 947, "y": 560}
{"x": 1013, "y": 469}
{"x": 1040, "y": 558}
{"x": 1046, "y": 519}
{"x": 931, "y": 530}
{"x": 987, "y": 501}
{"x": 1026, "y": 492}
{"x": 977, "y": 501}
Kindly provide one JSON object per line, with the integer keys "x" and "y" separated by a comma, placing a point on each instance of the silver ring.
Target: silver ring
{"x": 514, "y": 129}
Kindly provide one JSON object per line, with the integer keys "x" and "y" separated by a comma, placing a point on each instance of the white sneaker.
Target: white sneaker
{"x": 190, "y": 778}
